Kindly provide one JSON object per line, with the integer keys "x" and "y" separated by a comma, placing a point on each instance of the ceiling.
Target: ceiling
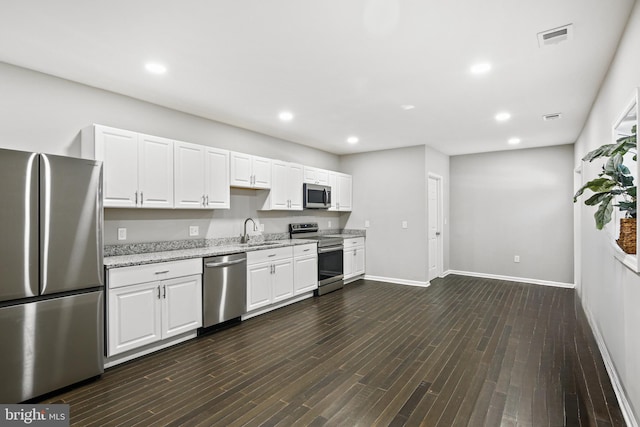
{"x": 343, "y": 68}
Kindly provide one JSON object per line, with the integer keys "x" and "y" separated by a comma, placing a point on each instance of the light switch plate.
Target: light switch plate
{"x": 261, "y": 227}
{"x": 516, "y": 258}
{"x": 122, "y": 234}
{"x": 405, "y": 224}
{"x": 194, "y": 230}
{"x": 367, "y": 224}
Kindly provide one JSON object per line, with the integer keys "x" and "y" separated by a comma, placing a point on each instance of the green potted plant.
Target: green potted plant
{"x": 614, "y": 186}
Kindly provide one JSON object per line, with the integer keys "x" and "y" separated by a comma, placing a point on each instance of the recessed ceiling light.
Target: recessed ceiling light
{"x": 514, "y": 141}
{"x": 353, "y": 140}
{"x": 407, "y": 107}
{"x": 155, "y": 68}
{"x": 286, "y": 116}
{"x": 480, "y": 68}
{"x": 504, "y": 116}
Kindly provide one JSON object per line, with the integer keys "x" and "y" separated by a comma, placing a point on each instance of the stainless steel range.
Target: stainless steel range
{"x": 330, "y": 256}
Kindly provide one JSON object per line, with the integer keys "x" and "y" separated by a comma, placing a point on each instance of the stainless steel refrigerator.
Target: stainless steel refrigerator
{"x": 51, "y": 286}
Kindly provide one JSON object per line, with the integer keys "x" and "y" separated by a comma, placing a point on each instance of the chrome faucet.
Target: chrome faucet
{"x": 244, "y": 238}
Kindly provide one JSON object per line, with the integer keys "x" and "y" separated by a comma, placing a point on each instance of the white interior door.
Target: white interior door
{"x": 434, "y": 221}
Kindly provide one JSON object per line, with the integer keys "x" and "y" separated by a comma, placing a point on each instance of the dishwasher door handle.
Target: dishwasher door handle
{"x": 223, "y": 263}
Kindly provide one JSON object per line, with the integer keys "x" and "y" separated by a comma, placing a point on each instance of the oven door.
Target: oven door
{"x": 330, "y": 265}
{"x": 317, "y": 196}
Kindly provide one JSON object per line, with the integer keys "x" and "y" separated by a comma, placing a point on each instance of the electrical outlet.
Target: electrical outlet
{"x": 367, "y": 224}
{"x": 122, "y": 234}
{"x": 405, "y": 224}
{"x": 261, "y": 226}
{"x": 194, "y": 230}
{"x": 516, "y": 258}
{"x": 329, "y": 224}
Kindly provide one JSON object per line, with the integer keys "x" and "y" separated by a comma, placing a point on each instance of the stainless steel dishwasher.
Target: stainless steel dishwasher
{"x": 224, "y": 289}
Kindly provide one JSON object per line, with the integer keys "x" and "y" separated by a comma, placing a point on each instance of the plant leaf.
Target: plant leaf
{"x": 603, "y": 214}
{"x": 597, "y": 185}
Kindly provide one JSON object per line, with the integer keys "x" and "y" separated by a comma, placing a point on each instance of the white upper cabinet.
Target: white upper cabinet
{"x": 155, "y": 171}
{"x": 250, "y": 171}
{"x": 201, "y": 177}
{"x": 341, "y": 191}
{"x": 344, "y": 196}
{"x": 137, "y": 170}
{"x": 316, "y": 176}
{"x": 286, "y": 187}
{"x": 216, "y": 186}
{"x": 189, "y": 175}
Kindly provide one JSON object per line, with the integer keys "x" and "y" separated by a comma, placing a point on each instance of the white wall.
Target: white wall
{"x": 609, "y": 291}
{"x": 516, "y": 202}
{"x": 389, "y": 187}
{"x": 42, "y": 113}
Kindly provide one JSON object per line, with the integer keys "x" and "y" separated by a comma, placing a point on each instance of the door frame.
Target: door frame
{"x": 439, "y": 226}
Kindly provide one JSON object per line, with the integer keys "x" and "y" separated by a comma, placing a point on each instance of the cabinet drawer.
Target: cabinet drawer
{"x": 353, "y": 242}
{"x": 302, "y": 250}
{"x": 125, "y": 276}
{"x": 264, "y": 255}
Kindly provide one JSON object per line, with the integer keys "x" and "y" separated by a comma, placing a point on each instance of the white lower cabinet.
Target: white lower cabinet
{"x": 354, "y": 258}
{"x": 305, "y": 268}
{"x": 168, "y": 303}
{"x": 275, "y": 277}
{"x": 269, "y": 276}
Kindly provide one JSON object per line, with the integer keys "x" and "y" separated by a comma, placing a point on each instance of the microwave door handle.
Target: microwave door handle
{"x": 324, "y": 196}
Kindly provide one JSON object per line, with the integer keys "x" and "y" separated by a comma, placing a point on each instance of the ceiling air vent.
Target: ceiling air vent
{"x": 552, "y": 116}
{"x": 555, "y": 35}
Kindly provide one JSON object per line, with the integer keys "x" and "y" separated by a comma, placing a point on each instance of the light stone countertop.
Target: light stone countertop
{"x": 174, "y": 255}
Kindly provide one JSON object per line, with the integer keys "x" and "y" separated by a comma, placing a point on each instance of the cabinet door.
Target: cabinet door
{"x": 344, "y": 192}
{"x": 134, "y": 317}
{"x": 348, "y": 262}
{"x": 305, "y": 274}
{"x": 181, "y": 305}
{"x": 118, "y": 149}
{"x": 217, "y": 193}
{"x": 359, "y": 261}
{"x": 294, "y": 183}
{"x": 240, "y": 170}
{"x": 258, "y": 285}
{"x": 279, "y": 186}
{"x": 155, "y": 172}
{"x": 189, "y": 175}
{"x": 261, "y": 167}
{"x": 282, "y": 279}
{"x": 335, "y": 191}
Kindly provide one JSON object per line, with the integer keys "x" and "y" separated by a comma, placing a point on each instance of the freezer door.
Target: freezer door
{"x": 50, "y": 344}
{"x": 70, "y": 224}
{"x": 18, "y": 224}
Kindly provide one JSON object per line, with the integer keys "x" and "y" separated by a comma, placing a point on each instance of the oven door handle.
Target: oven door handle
{"x": 329, "y": 249}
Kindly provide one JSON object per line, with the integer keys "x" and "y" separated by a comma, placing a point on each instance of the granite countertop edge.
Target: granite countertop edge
{"x": 149, "y": 253}
{"x": 181, "y": 254}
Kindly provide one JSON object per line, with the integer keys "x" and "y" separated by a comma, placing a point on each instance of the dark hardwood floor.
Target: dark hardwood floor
{"x": 464, "y": 351}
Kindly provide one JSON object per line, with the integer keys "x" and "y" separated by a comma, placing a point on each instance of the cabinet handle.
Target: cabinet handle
{"x": 164, "y": 291}
{"x": 207, "y": 202}
{"x": 141, "y": 198}
{"x": 136, "y": 203}
{"x": 158, "y": 292}
{"x": 161, "y": 272}
{"x": 306, "y": 250}
{"x": 272, "y": 255}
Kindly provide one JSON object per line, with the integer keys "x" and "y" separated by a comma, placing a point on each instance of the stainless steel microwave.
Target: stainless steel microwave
{"x": 316, "y": 196}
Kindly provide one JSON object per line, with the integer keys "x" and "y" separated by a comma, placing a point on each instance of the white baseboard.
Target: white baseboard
{"x": 398, "y": 281}
{"x": 512, "y": 279}
{"x": 625, "y": 406}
